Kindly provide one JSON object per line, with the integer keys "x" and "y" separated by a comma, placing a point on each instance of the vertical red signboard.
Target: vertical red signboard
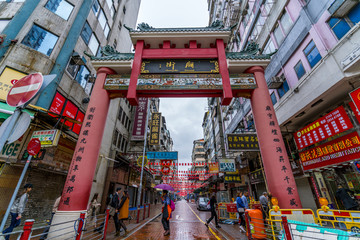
{"x": 138, "y": 133}
{"x": 355, "y": 97}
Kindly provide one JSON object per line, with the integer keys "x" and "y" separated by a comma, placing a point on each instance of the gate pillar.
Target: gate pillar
{"x": 279, "y": 176}
{"x": 80, "y": 176}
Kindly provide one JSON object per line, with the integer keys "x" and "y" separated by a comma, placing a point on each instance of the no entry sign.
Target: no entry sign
{"x": 24, "y": 90}
{"x": 34, "y": 146}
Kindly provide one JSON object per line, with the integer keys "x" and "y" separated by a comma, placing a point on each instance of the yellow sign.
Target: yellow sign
{"x": 6, "y": 83}
{"x": 214, "y": 168}
{"x": 232, "y": 215}
{"x": 140, "y": 159}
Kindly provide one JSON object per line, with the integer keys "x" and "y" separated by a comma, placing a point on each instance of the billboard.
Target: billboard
{"x": 227, "y": 165}
{"x": 162, "y": 155}
{"x": 327, "y": 126}
{"x": 140, "y": 124}
{"x": 155, "y": 128}
{"x": 7, "y": 78}
{"x": 242, "y": 142}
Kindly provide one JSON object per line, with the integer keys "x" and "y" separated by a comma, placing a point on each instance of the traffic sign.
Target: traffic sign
{"x": 34, "y": 146}
{"x": 24, "y": 90}
{"x": 20, "y": 127}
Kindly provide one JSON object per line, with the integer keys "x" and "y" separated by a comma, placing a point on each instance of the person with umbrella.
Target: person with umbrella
{"x": 166, "y": 210}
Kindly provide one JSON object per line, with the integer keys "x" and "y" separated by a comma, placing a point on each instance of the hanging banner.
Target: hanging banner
{"x": 332, "y": 123}
{"x": 138, "y": 133}
{"x": 336, "y": 151}
{"x": 214, "y": 168}
{"x": 155, "y": 129}
{"x": 355, "y": 111}
{"x": 242, "y": 142}
{"x": 227, "y": 165}
{"x": 355, "y": 97}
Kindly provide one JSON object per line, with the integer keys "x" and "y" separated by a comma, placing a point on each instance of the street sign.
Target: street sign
{"x": 20, "y": 127}
{"x": 140, "y": 159}
{"x": 24, "y": 90}
{"x": 34, "y": 146}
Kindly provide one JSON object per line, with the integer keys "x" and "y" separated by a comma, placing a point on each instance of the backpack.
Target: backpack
{"x": 172, "y": 205}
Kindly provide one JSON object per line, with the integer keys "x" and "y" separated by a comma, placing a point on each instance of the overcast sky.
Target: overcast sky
{"x": 183, "y": 116}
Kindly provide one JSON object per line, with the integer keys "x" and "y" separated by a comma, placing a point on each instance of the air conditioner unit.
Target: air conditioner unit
{"x": 276, "y": 82}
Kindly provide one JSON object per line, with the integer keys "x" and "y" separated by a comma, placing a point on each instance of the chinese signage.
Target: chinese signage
{"x": 162, "y": 155}
{"x": 355, "y": 97}
{"x": 155, "y": 129}
{"x": 138, "y": 133}
{"x": 227, "y": 165}
{"x": 48, "y": 138}
{"x": 333, "y": 123}
{"x": 339, "y": 150}
{"x": 233, "y": 178}
{"x": 243, "y": 142}
{"x": 165, "y": 166}
{"x": 214, "y": 168}
{"x": 180, "y": 66}
{"x": 7, "y": 79}
{"x": 164, "y": 82}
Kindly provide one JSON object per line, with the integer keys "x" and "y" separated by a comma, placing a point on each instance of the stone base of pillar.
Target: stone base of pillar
{"x": 68, "y": 230}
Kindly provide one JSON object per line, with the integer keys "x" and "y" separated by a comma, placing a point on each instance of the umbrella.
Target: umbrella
{"x": 165, "y": 187}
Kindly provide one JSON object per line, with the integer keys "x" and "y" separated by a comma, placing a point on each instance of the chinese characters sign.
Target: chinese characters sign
{"x": 180, "y": 66}
{"x": 355, "y": 111}
{"x": 214, "y": 168}
{"x": 227, "y": 165}
{"x": 243, "y": 142}
{"x": 48, "y": 138}
{"x": 333, "y": 123}
{"x": 138, "y": 133}
{"x": 355, "y": 97}
{"x": 339, "y": 150}
{"x": 162, "y": 155}
{"x": 234, "y": 178}
{"x": 155, "y": 129}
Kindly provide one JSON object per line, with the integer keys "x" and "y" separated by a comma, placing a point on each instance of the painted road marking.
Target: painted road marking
{"x": 212, "y": 231}
{"x": 25, "y": 89}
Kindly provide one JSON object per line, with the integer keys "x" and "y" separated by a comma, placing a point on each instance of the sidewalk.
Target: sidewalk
{"x": 131, "y": 224}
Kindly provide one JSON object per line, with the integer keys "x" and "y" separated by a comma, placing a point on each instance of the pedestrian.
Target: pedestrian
{"x": 17, "y": 209}
{"x": 124, "y": 210}
{"x": 264, "y": 202}
{"x": 53, "y": 211}
{"x": 114, "y": 206}
{"x": 213, "y": 204}
{"x": 245, "y": 200}
{"x": 166, "y": 212}
{"x": 347, "y": 201}
{"x": 240, "y": 206}
{"x": 91, "y": 210}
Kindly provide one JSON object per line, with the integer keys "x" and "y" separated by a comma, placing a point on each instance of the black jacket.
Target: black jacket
{"x": 343, "y": 195}
{"x": 213, "y": 203}
{"x": 115, "y": 201}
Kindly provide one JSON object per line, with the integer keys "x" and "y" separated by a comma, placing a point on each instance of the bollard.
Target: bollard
{"x": 248, "y": 230}
{"x": 149, "y": 211}
{"x": 106, "y": 222}
{"x": 286, "y": 228}
{"x": 138, "y": 215}
{"x": 27, "y": 229}
{"x": 144, "y": 211}
{"x": 80, "y": 226}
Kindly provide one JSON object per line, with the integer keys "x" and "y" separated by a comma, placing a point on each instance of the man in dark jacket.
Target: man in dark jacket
{"x": 343, "y": 195}
{"x": 213, "y": 204}
{"x": 115, "y": 203}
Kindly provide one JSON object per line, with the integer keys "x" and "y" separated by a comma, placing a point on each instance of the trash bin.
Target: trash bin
{"x": 257, "y": 227}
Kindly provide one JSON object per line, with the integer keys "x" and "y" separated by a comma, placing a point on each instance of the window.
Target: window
{"x": 40, "y": 39}
{"x": 82, "y": 76}
{"x": 124, "y": 9}
{"x": 86, "y": 33}
{"x": 284, "y": 25}
{"x": 269, "y": 47}
{"x": 283, "y": 89}
{"x": 72, "y": 67}
{"x": 3, "y": 24}
{"x": 115, "y": 137}
{"x": 340, "y": 26}
{"x": 93, "y": 44}
{"x": 273, "y": 98}
{"x": 60, "y": 7}
{"x": 96, "y": 7}
{"x": 299, "y": 69}
{"x": 103, "y": 23}
{"x": 312, "y": 54}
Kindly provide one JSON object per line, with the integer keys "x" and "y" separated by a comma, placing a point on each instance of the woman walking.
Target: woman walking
{"x": 213, "y": 204}
{"x": 91, "y": 211}
{"x": 166, "y": 212}
{"x": 124, "y": 211}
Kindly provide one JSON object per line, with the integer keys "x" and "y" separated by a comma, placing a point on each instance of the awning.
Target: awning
{"x": 6, "y": 111}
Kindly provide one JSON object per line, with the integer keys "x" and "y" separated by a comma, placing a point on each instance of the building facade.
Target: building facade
{"x": 56, "y": 37}
{"x": 315, "y": 67}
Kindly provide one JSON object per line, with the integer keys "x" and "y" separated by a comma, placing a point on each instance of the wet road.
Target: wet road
{"x": 187, "y": 223}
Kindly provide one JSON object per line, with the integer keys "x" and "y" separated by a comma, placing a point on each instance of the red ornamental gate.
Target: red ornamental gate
{"x": 177, "y": 62}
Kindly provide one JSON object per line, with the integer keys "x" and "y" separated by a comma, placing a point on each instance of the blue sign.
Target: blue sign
{"x": 162, "y": 155}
